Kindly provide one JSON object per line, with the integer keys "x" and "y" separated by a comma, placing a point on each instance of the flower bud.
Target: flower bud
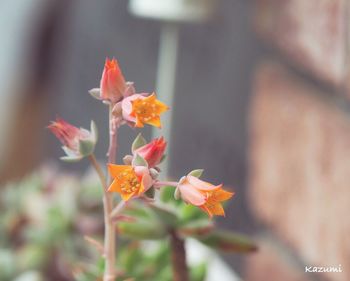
{"x": 152, "y": 152}
{"x": 77, "y": 142}
{"x": 154, "y": 173}
{"x": 112, "y": 85}
{"x": 127, "y": 159}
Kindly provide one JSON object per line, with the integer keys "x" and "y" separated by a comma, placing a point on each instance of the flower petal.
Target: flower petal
{"x": 115, "y": 170}
{"x": 191, "y": 195}
{"x": 199, "y": 184}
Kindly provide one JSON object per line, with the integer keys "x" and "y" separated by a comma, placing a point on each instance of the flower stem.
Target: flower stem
{"x": 117, "y": 209}
{"x": 99, "y": 171}
{"x": 165, "y": 183}
{"x": 109, "y": 240}
{"x": 110, "y": 232}
{"x": 178, "y": 257}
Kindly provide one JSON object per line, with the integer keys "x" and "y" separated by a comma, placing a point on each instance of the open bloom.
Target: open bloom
{"x": 77, "y": 142}
{"x": 152, "y": 152}
{"x": 129, "y": 181}
{"x": 112, "y": 85}
{"x": 142, "y": 110}
{"x": 203, "y": 194}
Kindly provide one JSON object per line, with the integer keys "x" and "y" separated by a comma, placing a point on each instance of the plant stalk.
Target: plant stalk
{"x": 109, "y": 239}
{"x": 110, "y": 232}
{"x": 178, "y": 257}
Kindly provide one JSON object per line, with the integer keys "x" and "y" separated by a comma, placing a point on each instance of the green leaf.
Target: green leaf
{"x": 228, "y": 242}
{"x": 143, "y": 230}
{"x": 165, "y": 215}
{"x": 196, "y": 173}
{"x": 138, "y": 142}
{"x": 167, "y": 194}
{"x": 199, "y": 272}
{"x": 94, "y": 131}
{"x": 189, "y": 213}
{"x": 139, "y": 161}
{"x": 197, "y": 227}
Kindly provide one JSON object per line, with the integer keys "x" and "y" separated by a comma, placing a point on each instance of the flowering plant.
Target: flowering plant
{"x": 130, "y": 206}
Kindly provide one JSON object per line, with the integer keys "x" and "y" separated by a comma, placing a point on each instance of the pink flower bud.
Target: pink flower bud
{"x": 112, "y": 85}
{"x": 72, "y": 139}
{"x": 152, "y": 152}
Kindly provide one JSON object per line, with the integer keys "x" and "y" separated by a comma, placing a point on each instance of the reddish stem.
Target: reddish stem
{"x": 178, "y": 257}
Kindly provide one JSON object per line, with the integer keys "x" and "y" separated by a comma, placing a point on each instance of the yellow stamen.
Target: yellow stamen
{"x": 125, "y": 182}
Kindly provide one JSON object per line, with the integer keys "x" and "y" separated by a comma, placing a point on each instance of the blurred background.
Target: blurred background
{"x": 261, "y": 102}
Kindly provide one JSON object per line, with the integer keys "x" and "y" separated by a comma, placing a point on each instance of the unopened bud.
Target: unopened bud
{"x": 154, "y": 173}
{"x": 127, "y": 159}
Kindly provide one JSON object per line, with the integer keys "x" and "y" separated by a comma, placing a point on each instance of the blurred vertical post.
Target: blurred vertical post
{"x": 171, "y": 13}
{"x": 165, "y": 84}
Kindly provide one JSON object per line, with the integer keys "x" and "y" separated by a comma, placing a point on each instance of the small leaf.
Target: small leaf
{"x": 86, "y": 147}
{"x": 94, "y": 131}
{"x": 196, "y": 173}
{"x": 95, "y": 93}
{"x": 138, "y": 142}
{"x": 146, "y": 229}
{"x": 139, "y": 161}
{"x": 228, "y": 242}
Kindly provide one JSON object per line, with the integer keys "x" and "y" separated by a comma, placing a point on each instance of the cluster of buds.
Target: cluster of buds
{"x": 140, "y": 172}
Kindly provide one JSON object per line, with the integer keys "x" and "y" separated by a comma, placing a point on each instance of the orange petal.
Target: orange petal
{"x": 138, "y": 123}
{"x": 114, "y": 187}
{"x": 161, "y": 107}
{"x": 115, "y": 170}
{"x": 222, "y": 195}
{"x": 155, "y": 122}
{"x": 213, "y": 209}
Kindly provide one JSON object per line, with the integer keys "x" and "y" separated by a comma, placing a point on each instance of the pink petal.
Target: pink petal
{"x": 199, "y": 184}
{"x": 127, "y": 106}
{"x": 191, "y": 195}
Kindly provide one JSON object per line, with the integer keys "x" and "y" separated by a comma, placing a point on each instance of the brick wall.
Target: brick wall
{"x": 299, "y": 181}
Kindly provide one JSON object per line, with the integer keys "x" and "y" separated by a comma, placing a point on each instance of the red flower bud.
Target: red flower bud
{"x": 152, "y": 152}
{"x": 112, "y": 85}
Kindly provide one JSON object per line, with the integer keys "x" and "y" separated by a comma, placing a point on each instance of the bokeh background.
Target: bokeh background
{"x": 261, "y": 103}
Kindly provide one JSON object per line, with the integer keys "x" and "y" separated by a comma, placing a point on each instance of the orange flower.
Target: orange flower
{"x": 213, "y": 201}
{"x": 129, "y": 181}
{"x": 204, "y": 195}
{"x": 112, "y": 85}
{"x": 143, "y": 110}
